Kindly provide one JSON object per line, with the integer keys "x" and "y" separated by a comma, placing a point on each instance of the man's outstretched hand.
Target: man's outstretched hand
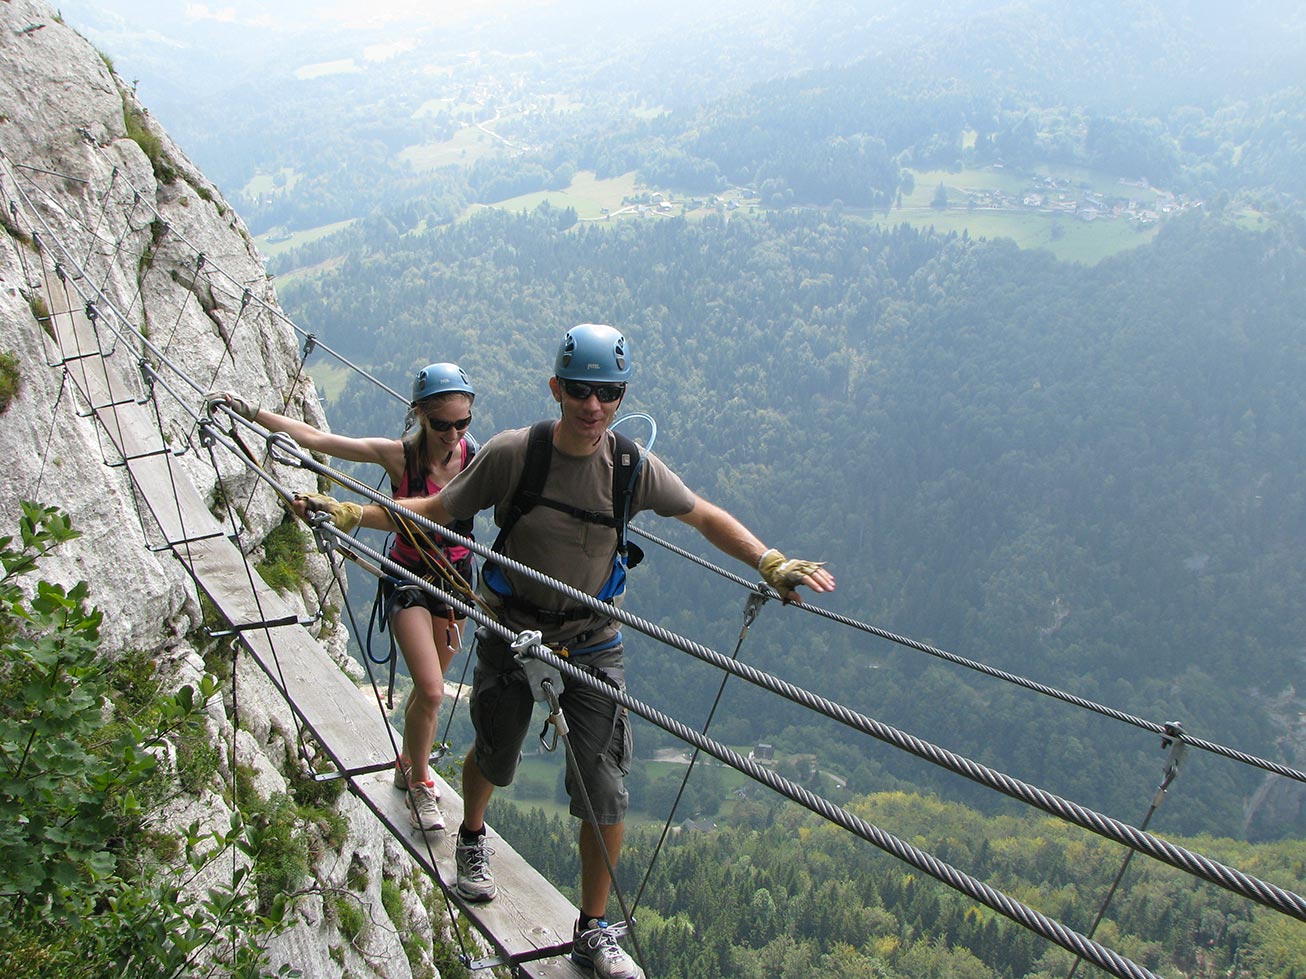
{"x": 784, "y": 574}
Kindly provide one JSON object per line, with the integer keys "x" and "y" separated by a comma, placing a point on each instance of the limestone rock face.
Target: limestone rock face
{"x": 122, "y": 220}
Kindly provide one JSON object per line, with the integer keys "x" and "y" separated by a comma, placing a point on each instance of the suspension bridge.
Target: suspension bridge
{"x": 121, "y": 375}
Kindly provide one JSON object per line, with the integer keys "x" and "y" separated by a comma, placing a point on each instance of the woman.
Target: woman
{"x": 427, "y": 630}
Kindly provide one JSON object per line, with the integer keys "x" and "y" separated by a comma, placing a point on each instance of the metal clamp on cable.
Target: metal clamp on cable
{"x": 537, "y": 671}
{"x": 206, "y": 426}
{"x": 319, "y": 521}
{"x": 754, "y": 604}
{"x": 1174, "y": 740}
{"x": 290, "y": 450}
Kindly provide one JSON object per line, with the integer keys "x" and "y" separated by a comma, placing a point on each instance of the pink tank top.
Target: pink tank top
{"x": 405, "y": 553}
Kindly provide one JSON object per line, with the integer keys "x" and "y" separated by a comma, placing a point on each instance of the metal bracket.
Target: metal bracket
{"x": 266, "y": 624}
{"x": 534, "y": 955}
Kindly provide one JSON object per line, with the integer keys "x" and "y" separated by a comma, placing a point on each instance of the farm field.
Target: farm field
{"x": 1064, "y": 234}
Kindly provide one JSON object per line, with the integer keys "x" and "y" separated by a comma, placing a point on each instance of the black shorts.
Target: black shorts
{"x": 401, "y": 595}
{"x": 501, "y": 709}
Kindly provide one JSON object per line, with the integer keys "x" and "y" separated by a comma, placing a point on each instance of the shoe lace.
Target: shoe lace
{"x": 476, "y": 858}
{"x": 605, "y": 942}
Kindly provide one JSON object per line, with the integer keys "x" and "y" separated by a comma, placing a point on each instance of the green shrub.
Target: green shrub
{"x": 285, "y": 556}
{"x": 10, "y": 380}
{"x": 82, "y": 888}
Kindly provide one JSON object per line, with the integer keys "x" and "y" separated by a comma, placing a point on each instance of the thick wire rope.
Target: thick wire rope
{"x": 1177, "y": 748}
{"x": 1048, "y": 928}
{"x": 1020, "y": 681}
{"x": 1195, "y": 864}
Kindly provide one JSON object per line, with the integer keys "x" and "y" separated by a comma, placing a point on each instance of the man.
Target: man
{"x": 565, "y": 537}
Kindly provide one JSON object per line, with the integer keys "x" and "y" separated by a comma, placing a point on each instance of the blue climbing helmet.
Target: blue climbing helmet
{"x": 593, "y": 352}
{"x": 441, "y": 379}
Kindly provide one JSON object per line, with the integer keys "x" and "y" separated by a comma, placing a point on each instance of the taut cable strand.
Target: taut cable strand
{"x": 1069, "y": 698}
{"x": 1104, "y": 958}
{"x": 1054, "y": 931}
{"x": 1195, "y": 864}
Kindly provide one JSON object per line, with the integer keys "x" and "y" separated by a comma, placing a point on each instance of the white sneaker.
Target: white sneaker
{"x": 596, "y": 948}
{"x": 424, "y": 806}
{"x": 475, "y": 882}
{"x": 401, "y": 774}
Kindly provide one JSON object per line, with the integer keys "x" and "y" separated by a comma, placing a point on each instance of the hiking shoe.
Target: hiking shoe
{"x": 401, "y": 774}
{"x": 475, "y": 882}
{"x": 424, "y": 806}
{"x": 596, "y": 948}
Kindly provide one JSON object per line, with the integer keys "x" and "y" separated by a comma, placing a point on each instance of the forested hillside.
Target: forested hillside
{"x": 1086, "y": 476}
{"x": 793, "y": 898}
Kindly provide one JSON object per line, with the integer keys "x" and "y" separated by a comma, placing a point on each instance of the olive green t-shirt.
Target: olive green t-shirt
{"x": 555, "y": 543}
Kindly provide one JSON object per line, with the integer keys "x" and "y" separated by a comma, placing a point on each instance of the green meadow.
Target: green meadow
{"x": 285, "y": 243}
{"x": 1066, "y": 236}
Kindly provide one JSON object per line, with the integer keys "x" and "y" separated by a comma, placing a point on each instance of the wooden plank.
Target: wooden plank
{"x": 527, "y": 914}
{"x": 170, "y": 496}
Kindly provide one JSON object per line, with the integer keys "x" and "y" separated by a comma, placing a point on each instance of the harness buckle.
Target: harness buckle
{"x": 524, "y": 650}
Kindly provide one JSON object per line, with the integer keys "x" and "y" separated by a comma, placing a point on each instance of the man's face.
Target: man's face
{"x": 587, "y": 409}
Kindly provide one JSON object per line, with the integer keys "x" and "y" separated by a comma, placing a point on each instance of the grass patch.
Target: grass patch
{"x": 274, "y": 243}
{"x": 330, "y": 379}
{"x": 1061, "y": 232}
{"x": 10, "y": 380}
{"x": 588, "y": 195}
{"x": 465, "y": 147}
{"x": 307, "y": 273}
{"x": 151, "y": 145}
{"x": 285, "y": 556}
{"x": 284, "y": 180}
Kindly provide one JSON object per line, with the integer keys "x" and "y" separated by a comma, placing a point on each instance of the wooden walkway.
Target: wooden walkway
{"x": 529, "y": 914}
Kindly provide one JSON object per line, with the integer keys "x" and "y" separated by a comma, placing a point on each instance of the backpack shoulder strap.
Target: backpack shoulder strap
{"x": 535, "y": 470}
{"x": 626, "y": 465}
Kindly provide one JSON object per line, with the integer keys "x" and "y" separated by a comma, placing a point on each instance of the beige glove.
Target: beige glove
{"x": 346, "y": 516}
{"x": 233, "y": 401}
{"x": 783, "y": 573}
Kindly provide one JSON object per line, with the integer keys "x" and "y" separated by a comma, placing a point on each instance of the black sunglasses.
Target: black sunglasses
{"x": 606, "y": 393}
{"x": 440, "y": 425}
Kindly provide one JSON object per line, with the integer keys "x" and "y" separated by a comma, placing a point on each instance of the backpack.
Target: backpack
{"x": 627, "y": 463}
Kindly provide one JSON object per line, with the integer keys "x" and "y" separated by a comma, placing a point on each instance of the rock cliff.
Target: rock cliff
{"x": 90, "y": 184}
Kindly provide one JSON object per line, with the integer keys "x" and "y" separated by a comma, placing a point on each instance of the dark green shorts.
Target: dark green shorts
{"x": 599, "y": 730}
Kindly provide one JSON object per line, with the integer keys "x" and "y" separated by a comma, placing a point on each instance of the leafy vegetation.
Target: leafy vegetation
{"x": 85, "y": 886}
{"x": 10, "y": 380}
{"x": 285, "y": 556}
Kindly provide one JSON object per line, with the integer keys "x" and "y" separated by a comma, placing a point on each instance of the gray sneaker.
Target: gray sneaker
{"x": 475, "y": 882}
{"x": 401, "y": 774}
{"x": 596, "y": 948}
{"x": 424, "y": 806}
